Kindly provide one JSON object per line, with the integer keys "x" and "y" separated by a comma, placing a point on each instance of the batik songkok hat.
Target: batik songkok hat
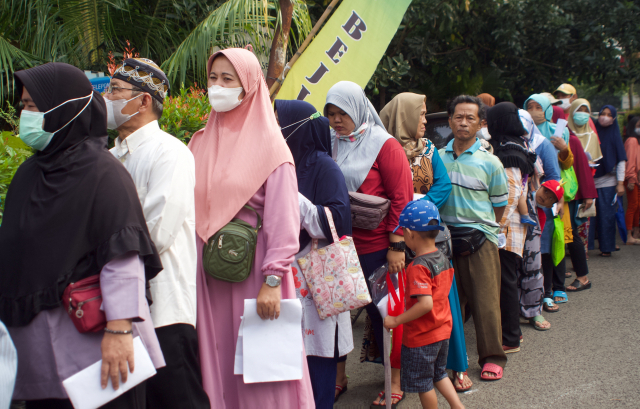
{"x": 144, "y": 74}
{"x": 417, "y": 215}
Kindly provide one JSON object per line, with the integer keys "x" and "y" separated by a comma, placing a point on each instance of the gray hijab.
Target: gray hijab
{"x": 355, "y": 158}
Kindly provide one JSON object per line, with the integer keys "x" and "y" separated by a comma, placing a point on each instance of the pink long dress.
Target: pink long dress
{"x": 221, "y": 304}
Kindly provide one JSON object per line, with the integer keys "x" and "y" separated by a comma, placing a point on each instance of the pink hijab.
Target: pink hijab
{"x": 237, "y": 150}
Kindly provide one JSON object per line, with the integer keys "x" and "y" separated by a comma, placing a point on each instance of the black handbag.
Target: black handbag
{"x": 466, "y": 240}
{"x": 443, "y": 243}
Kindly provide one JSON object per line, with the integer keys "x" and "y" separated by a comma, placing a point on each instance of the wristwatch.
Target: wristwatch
{"x": 272, "y": 280}
{"x": 399, "y": 246}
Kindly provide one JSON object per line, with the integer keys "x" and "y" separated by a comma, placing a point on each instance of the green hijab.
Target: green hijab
{"x": 547, "y": 128}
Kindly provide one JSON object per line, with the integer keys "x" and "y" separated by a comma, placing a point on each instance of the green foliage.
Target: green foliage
{"x": 513, "y": 48}
{"x": 389, "y": 70}
{"x": 177, "y": 34}
{"x": 185, "y": 113}
{"x": 12, "y": 153}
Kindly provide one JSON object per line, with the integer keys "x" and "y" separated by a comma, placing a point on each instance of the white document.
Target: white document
{"x": 237, "y": 363}
{"x": 560, "y": 125}
{"x": 272, "y": 349}
{"x": 84, "y": 388}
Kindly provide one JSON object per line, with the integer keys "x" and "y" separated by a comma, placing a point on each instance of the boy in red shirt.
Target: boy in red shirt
{"x": 427, "y": 319}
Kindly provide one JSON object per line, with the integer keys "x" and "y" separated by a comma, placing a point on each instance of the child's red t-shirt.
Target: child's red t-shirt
{"x": 430, "y": 274}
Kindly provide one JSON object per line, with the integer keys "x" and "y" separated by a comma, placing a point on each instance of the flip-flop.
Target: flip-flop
{"x": 605, "y": 255}
{"x": 510, "y": 350}
{"x": 340, "y": 390}
{"x": 491, "y": 368}
{"x": 547, "y": 304}
{"x": 460, "y": 376}
{"x": 393, "y": 396}
{"x": 538, "y": 318}
{"x": 579, "y": 286}
{"x": 561, "y": 294}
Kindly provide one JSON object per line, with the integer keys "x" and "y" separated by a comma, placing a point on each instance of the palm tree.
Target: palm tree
{"x": 179, "y": 34}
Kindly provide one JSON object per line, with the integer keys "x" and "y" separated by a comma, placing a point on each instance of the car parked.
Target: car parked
{"x": 438, "y": 130}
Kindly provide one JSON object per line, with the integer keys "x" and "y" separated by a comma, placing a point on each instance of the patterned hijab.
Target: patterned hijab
{"x": 401, "y": 117}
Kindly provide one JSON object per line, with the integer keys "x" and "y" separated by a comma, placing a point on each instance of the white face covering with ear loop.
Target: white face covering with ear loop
{"x": 224, "y": 99}
{"x": 115, "y": 117}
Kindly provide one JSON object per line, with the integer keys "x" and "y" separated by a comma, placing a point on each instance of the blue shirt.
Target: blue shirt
{"x": 441, "y": 189}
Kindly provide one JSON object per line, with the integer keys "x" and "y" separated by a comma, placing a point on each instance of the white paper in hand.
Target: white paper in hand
{"x": 84, "y": 388}
{"x": 237, "y": 363}
{"x": 560, "y": 125}
{"x": 272, "y": 349}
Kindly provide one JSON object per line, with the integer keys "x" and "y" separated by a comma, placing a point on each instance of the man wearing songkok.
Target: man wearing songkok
{"x": 163, "y": 170}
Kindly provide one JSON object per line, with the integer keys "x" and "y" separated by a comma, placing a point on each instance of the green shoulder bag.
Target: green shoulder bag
{"x": 229, "y": 254}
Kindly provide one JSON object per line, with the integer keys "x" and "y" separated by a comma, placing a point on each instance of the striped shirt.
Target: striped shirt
{"x": 479, "y": 184}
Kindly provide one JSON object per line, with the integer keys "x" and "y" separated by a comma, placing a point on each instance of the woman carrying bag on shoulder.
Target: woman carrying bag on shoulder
{"x": 320, "y": 186}
{"x": 241, "y": 159}
{"x": 73, "y": 216}
{"x": 373, "y": 163}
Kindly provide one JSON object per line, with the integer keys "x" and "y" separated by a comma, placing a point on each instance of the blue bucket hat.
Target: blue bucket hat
{"x": 417, "y": 214}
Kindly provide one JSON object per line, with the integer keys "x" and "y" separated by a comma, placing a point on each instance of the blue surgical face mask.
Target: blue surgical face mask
{"x": 580, "y": 118}
{"x": 31, "y": 124}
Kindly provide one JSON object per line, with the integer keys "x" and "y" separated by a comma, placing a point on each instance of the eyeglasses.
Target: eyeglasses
{"x": 113, "y": 88}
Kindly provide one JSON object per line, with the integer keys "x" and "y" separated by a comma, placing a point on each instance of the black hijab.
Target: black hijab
{"x": 72, "y": 207}
{"x": 506, "y": 130}
{"x": 319, "y": 178}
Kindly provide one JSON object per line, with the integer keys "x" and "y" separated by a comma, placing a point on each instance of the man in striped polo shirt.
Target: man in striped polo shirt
{"x": 477, "y": 201}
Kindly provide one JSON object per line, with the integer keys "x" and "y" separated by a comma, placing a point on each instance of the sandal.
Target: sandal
{"x": 606, "y": 255}
{"x": 579, "y": 286}
{"x": 538, "y": 318}
{"x": 549, "y": 306}
{"x": 393, "y": 396}
{"x": 510, "y": 350}
{"x": 491, "y": 368}
{"x": 560, "y": 294}
{"x": 459, "y": 376}
{"x": 340, "y": 390}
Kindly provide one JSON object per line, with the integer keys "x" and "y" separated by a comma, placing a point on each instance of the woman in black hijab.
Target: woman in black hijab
{"x": 509, "y": 146}
{"x": 71, "y": 212}
{"x": 320, "y": 185}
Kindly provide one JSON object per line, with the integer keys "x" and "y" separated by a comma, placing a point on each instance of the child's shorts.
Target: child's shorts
{"x": 423, "y": 366}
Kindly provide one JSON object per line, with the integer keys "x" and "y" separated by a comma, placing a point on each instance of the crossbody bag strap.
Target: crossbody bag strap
{"x": 259, "y": 220}
{"x": 334, "y": 232}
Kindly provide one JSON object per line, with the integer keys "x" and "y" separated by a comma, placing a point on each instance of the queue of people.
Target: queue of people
{"x": 478, "y": 227}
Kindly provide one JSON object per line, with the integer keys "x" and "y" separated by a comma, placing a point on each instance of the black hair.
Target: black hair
{"x": 466, "y": 99}
{"x": 430, "y": 234}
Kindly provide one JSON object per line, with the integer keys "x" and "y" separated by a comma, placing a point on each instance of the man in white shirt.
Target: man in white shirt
{"x": 163, "y": 170}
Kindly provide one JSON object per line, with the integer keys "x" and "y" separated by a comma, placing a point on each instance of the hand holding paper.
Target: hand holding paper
{"x": 84, "y": 388}
{"x": 271, "y": 349}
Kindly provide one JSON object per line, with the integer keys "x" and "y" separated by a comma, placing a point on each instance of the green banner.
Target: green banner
{"x": 348, "y": 48}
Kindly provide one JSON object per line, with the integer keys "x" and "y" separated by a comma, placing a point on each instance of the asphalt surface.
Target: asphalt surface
{"x": 588, "y": 359}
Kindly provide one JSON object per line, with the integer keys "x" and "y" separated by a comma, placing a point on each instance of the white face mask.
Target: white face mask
{"x": 565, "y": 103}
{"x": 115, "y": 117}
{"x": 485, "y": 134}
{"x": 224, "y": 99}
{"x": 637, "y": 131}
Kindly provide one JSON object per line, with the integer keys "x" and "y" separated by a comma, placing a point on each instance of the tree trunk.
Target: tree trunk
{"x": 278, "y": 54}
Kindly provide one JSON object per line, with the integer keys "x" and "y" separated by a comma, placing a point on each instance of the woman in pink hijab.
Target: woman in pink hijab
{"x": 241, "y": 158}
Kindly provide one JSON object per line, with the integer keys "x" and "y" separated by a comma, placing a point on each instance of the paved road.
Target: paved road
{"x": 590, "y": 358}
